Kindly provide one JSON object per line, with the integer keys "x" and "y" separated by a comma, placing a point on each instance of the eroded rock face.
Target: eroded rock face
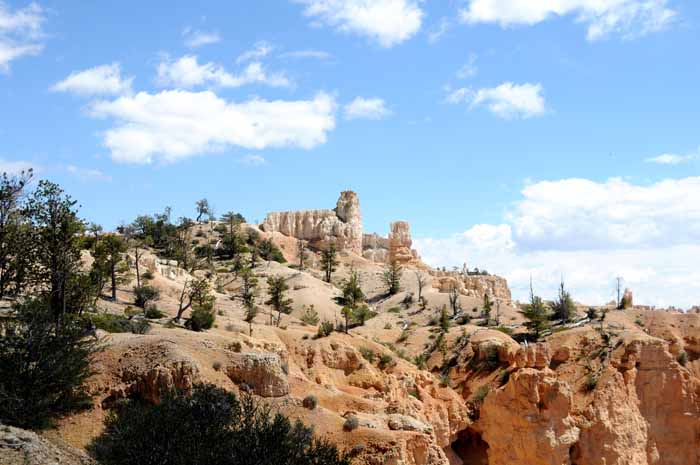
{"x": 474, "y": 285}
{"x": 529, "y": 421}
{"x": 398, "y": 245}
{"x": 264, "y": 373}
{"x": 21, "y": 447}
{"x": 341, "y": 226}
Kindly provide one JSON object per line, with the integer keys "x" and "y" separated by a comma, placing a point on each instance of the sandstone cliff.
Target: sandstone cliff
{"x": 341, "y": 226}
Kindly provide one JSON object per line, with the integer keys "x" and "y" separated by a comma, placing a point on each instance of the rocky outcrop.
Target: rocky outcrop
{"x": 20, "y": 447}
{"x": 473, "y": 285}
{"x": 265, "y": 374}
{"x": 397, "y": 245}
{"x": 528, "y": 421}
{"x": 341, "y": 226}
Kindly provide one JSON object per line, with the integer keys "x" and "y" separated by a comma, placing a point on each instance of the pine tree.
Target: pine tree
{"x": 486, "y": 311}
{"x": 392, "y": 276}
{"x": 329, "y": 262}
{"x": 536, "y": 314}
{"x": 248, "y": 293}
{"x": 276, "y": 288}
{"x": 564, "y": 307}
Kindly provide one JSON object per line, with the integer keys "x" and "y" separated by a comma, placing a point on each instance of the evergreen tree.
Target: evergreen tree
{"x": 392, "y": 276}
{"x": 12, "y": 230}
{"x": 248, "y": 293}
{"x": 56, "y": 231}
{"x": 536, "y": 314}
{"x": 42, "y": 365}
{"x": 301, "y": 252}
{"x": 276, "y": 288}
{"x": 486, "y": 310}
{"x": 564, "y": 307}
{"x": 110, "y": 248}
{"x": 329, "y": 262}
{"x": 352, "y": 297}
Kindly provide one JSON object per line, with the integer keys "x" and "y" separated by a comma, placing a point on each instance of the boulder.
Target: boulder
{"x": 264, "y": 373}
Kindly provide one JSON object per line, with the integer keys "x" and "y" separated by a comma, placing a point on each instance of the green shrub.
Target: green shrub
{"x": 119, "y": 324}
{"x": 481, "y": 394}
{"x": 145, "y": 294}
{"x": 210, "y": 427}
{"x": 216, "y": 366}
{"x": 386, "y": 360}
{"x": 403, "y": 337}
{"x": 310, "y": 316}
{"x": 394, "y": 310}
{"x": 683, "y": 358}
{"x": 325, "y": 329}
{"x": 201, "y": 318}
{"x": 388, "y": 326}
{"x": 591, "y": 382}
{"x": 147, "y": 275}
{"x": 368, "y": 354}
{"x": 153, "y": 312}
{"x": 43, "y": 367}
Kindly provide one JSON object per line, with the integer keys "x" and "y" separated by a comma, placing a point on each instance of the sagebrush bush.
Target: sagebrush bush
{"x": 210, "y": 427}
{"x": 145, "y": 294}
{"x": 153, "y": 312}
{"x": 325, "y": 329}
{"x": 202, "y": 318}
{"x": 43, "y": 366}
{"x": 119, "y": 324}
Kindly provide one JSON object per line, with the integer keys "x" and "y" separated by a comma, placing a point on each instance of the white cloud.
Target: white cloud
{"x": 88, "y": 174}
{"x": 194, "y": 38}
{"x": 173, "y": 125}
{"x": 469, "y": 69}
{"x": 315, "y": 54}
{"x": 20, "y": 33}
{"x": 260, "y": 50}
{"x": 629, "y": 18}
{"x": 100, "y": 80}
{"x": 590, "y": 232}
{"x": 388, "y": 22}
{"x": 15, "y": 167}
{"x": 507, "y": 100}
{"x": 186, "y": 73}
{"x": 672, "y": 159}
{"x": 253, "y": 160}
{"x": 366, "y": 108}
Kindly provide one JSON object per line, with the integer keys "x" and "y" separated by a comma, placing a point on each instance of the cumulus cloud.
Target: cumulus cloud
{"x": 20, "y": 33}
{"x": 387, "y": 22}
{"x": 366, "y": 108}
{"x": 194, "y": 38}
{"x": 176, "y": 124}
{"x": 590, "y": 232}
{"x": 186, "y": 72}
{"x": 628, "y": 18}
{"x": 100, "y": 80}
{"x": 508, "y": 100}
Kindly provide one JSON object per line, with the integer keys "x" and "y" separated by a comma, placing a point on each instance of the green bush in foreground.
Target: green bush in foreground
{"x": 42, "y": 366}
{"x": 210, "y": 427}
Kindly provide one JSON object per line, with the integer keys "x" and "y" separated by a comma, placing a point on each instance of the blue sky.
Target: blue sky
{"x": 541, "y": 138}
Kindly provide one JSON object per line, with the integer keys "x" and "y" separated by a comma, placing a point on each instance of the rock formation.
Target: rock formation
{"x": 473, "y": 285}
{"x": 341, "y": 226}
{"x": 398, "y": 244}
